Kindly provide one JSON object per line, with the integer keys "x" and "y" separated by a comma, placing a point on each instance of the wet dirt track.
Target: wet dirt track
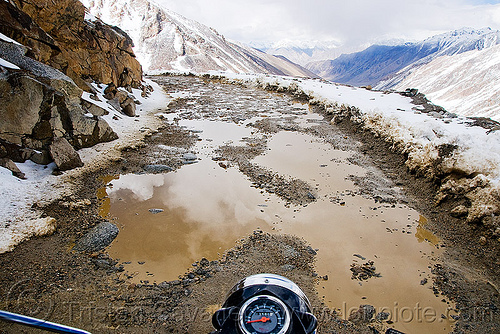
{"x": 264, "y": 161}
{"x": 270, "y": 164}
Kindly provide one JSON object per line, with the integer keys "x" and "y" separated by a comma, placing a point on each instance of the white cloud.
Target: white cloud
{"x": 354, "y": 22}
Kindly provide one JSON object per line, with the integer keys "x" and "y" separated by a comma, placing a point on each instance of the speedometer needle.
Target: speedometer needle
{"x": 263, "y": 319}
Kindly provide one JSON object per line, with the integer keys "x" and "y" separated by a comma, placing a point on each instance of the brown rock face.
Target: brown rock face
{"x": 42, "y": 114}
{"x": 59, "y": 36}
{"x": 20, "y": 27}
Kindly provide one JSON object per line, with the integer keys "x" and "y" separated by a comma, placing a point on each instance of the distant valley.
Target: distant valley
{"x": 385, "y": 66}
{"x": 167, "y": 41}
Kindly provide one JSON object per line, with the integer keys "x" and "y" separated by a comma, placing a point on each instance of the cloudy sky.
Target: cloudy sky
{"x": 350, "y": 23}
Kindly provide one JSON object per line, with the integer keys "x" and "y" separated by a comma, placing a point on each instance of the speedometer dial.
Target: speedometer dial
{"x": 264, "y": 314}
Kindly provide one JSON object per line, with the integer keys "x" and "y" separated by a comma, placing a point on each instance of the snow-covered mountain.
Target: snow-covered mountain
{"x": 305, "y": 53}
{"x": 165, "y": 40}
{"x": 467, "y": 84}
{"x": 383, "y": 62}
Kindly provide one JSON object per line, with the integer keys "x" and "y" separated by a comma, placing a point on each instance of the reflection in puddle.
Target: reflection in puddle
{"x": 206, "y": 209}
{"x": 423, "y": 234}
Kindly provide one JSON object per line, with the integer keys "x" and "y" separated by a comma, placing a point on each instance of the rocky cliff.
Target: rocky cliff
{"x": 81, "y": 49}
{"x": 49, "y": 54}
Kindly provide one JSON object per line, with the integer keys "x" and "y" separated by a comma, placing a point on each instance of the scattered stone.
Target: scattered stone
{"x": 189, "y": 158}
{"x": 382, "y": 316}
{"x": 311, "y": 251}
{"x": 483, "y": 241}
{"x": 288, "y": 267}
{"x": 204, "y": 262}
{"x": 459, "y": 211}
{"x": 364, "y": 272}
{"x": 359, "y": 256}
{"x": 363, "y": 315}
{"x": 410, "y": 92}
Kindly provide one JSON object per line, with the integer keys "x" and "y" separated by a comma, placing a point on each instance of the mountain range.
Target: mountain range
{"x": 384, "y": 66}
{"x": 166, "y": 41}
{"x": 305, "y": 53}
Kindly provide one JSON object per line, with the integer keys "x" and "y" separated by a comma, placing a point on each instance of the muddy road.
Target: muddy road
{"x": 240, "y": 181}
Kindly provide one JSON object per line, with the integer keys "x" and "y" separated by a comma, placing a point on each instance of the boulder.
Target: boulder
{"x": 64, "y": 155}
{"x": 94, "y": 109}
{"x": 121, "y": 96}
{"x": 41, "y": 157}
{"x": 10, "y": 165}
{"x": 104, "y": 133}
{"x": 110, "y": 91}
{"x": 128, "y": 107}
{"x": 40, "y": 103}
{"x": 19, "y": 91}
{"x": 115, "y": 103}
{"x": 97, "y": 238}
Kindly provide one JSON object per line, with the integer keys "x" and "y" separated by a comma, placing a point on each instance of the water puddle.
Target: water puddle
{"x": 202, "y": 209}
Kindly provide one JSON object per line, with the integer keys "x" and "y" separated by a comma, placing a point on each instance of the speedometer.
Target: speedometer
{"x": 264, "y": 314}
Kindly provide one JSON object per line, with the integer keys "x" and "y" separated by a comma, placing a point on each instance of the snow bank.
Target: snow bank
{"x": 436, "y": 147}
{"x": 19, "y": 219}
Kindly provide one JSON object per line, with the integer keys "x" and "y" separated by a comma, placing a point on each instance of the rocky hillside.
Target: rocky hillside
{"x": 49, "y": 54}
{"x": 447, "y": 82}
{"x": 167, "y": 41}
{"x": 383, "y": 62}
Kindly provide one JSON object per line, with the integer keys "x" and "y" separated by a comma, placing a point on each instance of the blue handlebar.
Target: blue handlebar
{"x": 38, "y": 323}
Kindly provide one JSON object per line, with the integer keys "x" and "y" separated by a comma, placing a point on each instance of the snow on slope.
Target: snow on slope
{"x": 418, "y": 135}
{"x": 466, "y": 84}
{"x": 19, "y": 220}
{"x": 166, "y": 41}
{"x": 451, "y": 43}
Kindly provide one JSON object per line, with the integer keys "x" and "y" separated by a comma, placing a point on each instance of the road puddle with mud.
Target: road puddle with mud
{"x": 371, "y": 249}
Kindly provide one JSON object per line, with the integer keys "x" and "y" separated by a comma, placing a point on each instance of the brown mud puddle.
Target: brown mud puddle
{"x": 169, "y": 221}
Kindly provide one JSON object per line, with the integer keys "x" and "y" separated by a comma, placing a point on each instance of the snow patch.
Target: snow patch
{"x": 8, "y": 39}
{"x": 8, "y": 64}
